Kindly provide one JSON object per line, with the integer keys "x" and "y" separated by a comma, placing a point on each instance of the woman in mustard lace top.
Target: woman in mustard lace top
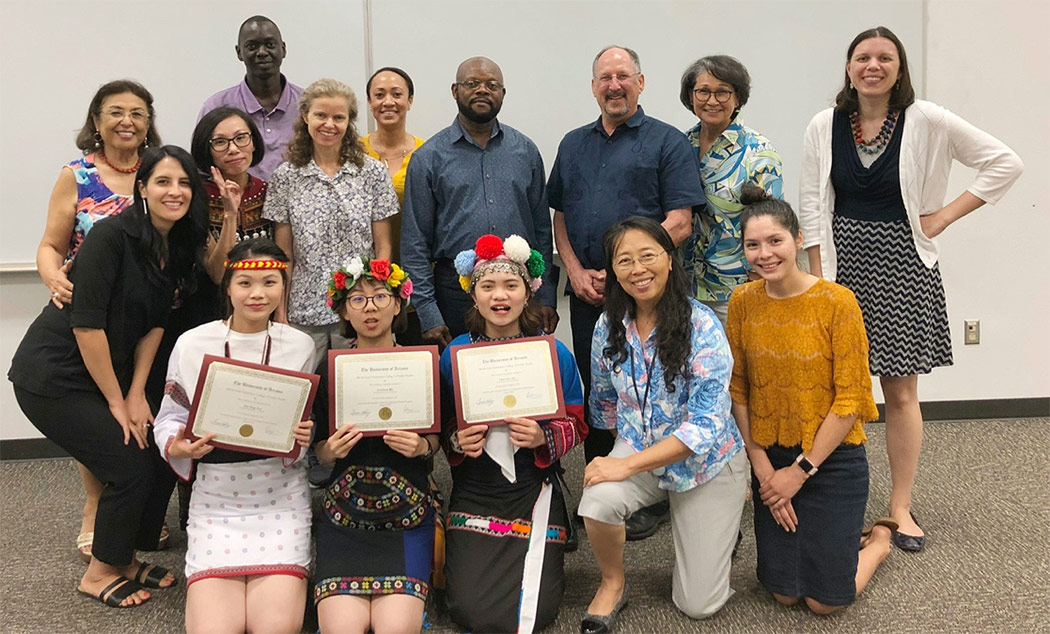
{"x": 801, "y": 391}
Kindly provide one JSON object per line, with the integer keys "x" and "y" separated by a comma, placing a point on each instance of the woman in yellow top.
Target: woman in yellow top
{"x": 801, "y": 391}
{"x": 390, "y": 92}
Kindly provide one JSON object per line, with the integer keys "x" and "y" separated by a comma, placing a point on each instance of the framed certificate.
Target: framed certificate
{"x": 380, "y": 389}
{"x": 250, "y": 407}
{"x": 493, "y": 380}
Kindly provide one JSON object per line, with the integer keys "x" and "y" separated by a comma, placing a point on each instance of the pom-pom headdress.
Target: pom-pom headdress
{"x": 490, "y": 254}
{"x": 345, "y": 277}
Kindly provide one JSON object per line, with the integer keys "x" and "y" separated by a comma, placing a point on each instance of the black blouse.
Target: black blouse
{"x": 866, "y": 193}
{"x": 111, "y": 292}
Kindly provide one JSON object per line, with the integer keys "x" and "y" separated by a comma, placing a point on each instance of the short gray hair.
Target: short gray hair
{"x": 634, "y": 57}
{"x": 723, "y": 67}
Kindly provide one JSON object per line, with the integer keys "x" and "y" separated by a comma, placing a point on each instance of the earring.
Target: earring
{"x": 98, "y": 140}
{"x": 851, "y": 87}
{"x": 145, "y": 207}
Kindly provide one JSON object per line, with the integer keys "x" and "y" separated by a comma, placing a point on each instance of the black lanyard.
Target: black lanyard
{"x": 648, "y": 384}
{"x": 266, "y": 349}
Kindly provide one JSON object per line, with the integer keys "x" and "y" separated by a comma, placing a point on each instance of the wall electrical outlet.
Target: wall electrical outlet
{"x": 973, "y": 331}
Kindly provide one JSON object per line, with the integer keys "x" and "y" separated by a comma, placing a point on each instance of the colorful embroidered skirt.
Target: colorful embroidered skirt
{"x": 487, "y": 544}
{"x": 248, "y": 518}
{"x": 375, "y": 536}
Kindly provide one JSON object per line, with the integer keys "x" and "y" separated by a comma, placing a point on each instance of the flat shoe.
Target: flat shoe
{"x": 151, "y": 576}
{"x": 84, "y": 541}
{"x": 115, "y": 593}
{"x": 909, "y": 543}
{"x": 888, "y": 522}
{"x": 600, "y": 623}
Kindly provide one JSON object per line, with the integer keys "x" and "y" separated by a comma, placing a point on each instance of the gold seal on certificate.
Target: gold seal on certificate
{"x": 250, "y": 407}
{"x": 498, "y": 379}
{"x": 380, "y": 389}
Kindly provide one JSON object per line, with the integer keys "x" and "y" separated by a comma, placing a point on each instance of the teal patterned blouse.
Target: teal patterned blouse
{"x": 713, "y": 253}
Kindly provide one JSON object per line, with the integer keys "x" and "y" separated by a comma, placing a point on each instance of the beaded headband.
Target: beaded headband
{"x": 490, "y": 254}
{"x": 345, "y": 277}
{"x": 253, "y": 265}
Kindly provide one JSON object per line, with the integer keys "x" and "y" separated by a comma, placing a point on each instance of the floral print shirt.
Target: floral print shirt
{"x": 331, "y": 220}
{"x": 632, "y": 398}
{"x": 713, "y": 253}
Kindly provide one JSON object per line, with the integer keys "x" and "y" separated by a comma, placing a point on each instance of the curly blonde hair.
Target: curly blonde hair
{"x": 301, "y": 148}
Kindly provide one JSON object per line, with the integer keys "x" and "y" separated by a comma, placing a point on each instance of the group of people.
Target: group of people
{"x": 702, "y": 356}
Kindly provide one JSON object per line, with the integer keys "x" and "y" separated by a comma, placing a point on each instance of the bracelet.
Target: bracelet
{"x": 430, "y": 449}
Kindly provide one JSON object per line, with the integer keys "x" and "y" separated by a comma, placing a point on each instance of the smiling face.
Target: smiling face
{"x": 479, "y": 90}
{"x": 374, "y": 319}
{"x": 388, "y": 99}
{"x": 167, "y": 192}
{"x": 254, "y": 295}
{"x": 327, "y": 121}
{"x": 501, "y": 298}
{"x": 260, "y": 47}
{"x": 616, "y": 85}
{"x": 874, "y": 67}
{"x": 234, "y": 160}
{"x": 122, "y": 122}
{"x": 712, "y": 113}
{"x": 770, "y": 248}
{"x": 641, "y": 266}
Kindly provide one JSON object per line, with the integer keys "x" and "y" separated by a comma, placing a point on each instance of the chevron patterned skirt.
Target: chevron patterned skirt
{"x": 902, "y": 300}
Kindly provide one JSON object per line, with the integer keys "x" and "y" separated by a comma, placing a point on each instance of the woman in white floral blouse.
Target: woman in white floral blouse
{"x": 330, "y": 202}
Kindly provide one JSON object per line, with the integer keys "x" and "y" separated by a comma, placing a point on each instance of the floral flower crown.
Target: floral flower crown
{"x": 513, "y": 255}
{"x": 380, "y": 269}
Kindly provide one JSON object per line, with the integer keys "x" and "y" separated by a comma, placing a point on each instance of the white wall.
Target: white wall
{"x": 984, "y": 60}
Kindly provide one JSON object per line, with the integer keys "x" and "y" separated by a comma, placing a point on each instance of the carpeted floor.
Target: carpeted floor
{"x": 983, "y": 498}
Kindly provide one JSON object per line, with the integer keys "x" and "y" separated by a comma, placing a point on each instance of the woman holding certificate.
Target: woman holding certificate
{"x": 801, "y": 391}
{"x": 375, "y": 536}
{"x": 249, "y": 518}
{"x": 660, "y": 370}
{"x": 507, "y": 526}
{"x": 91, "y": 359}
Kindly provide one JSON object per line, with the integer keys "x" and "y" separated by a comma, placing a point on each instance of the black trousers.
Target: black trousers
{"x": 582, "y": 318}
{"x": 137, "y": 483}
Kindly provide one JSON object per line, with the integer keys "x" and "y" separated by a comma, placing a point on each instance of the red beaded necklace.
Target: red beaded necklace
{"x": 101, "y": 157}
{"x": 876, "y": 144}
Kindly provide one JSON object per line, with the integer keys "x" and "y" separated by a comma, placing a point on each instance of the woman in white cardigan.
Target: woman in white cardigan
{"x": 874, "y": 177}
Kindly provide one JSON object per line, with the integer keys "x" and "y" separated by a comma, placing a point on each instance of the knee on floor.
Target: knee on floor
{"x": 819, "y": 608}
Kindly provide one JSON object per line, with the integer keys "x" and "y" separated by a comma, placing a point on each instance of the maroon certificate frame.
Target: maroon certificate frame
{"x": 496, "y": 379}
{"x": 250, "y": 392}
{"x": 383, "y": 389}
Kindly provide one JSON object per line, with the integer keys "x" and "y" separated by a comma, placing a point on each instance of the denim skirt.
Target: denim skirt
{"x": 818, "y": 560}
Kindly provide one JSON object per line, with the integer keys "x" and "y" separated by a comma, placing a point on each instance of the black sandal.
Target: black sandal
{"x": 115, "y": 593}
{"x": 151, "y": 575}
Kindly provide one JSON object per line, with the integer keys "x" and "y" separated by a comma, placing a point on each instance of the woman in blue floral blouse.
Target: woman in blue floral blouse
{"x": 664, "y": 389}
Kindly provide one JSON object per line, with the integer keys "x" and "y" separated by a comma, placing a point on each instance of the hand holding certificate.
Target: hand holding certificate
{"x": 502, "y": 379}
{"x": 383, "y": 389}
{"x": 250, "y": 407}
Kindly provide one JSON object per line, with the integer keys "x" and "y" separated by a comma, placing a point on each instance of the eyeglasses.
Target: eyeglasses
{"x": 703, "y": 94}
{"x": 626, "y": 263}
{"x": 379, "y": 300}
{"x": 117, "y": 114}
{"x": 622, "y": 78}
{"x": 473, "y": 84}
{"x": 221, "y": 144}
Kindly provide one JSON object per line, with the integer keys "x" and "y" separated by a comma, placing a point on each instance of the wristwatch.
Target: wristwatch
{"x": 805, "y": 465}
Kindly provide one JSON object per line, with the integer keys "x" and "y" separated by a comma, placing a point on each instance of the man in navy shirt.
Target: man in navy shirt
{"x": 624, "y": 164}
{"x": 476, "y": 176}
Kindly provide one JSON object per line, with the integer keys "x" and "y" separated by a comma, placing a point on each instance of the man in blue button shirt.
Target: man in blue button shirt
{"x": 624, "y": 164}
{"x": 476, "y": 176}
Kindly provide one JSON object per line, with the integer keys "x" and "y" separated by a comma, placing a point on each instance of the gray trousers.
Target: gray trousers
{"x": 704, "y": 524}
{"x": 325, "y": 338}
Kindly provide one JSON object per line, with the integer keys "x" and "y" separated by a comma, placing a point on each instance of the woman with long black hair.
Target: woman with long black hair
{"x": 660, "y": 370}
{"x": 93, "y": 358}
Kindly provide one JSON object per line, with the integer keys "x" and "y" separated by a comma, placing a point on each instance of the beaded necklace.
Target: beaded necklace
{"x": 876, "y": 144}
